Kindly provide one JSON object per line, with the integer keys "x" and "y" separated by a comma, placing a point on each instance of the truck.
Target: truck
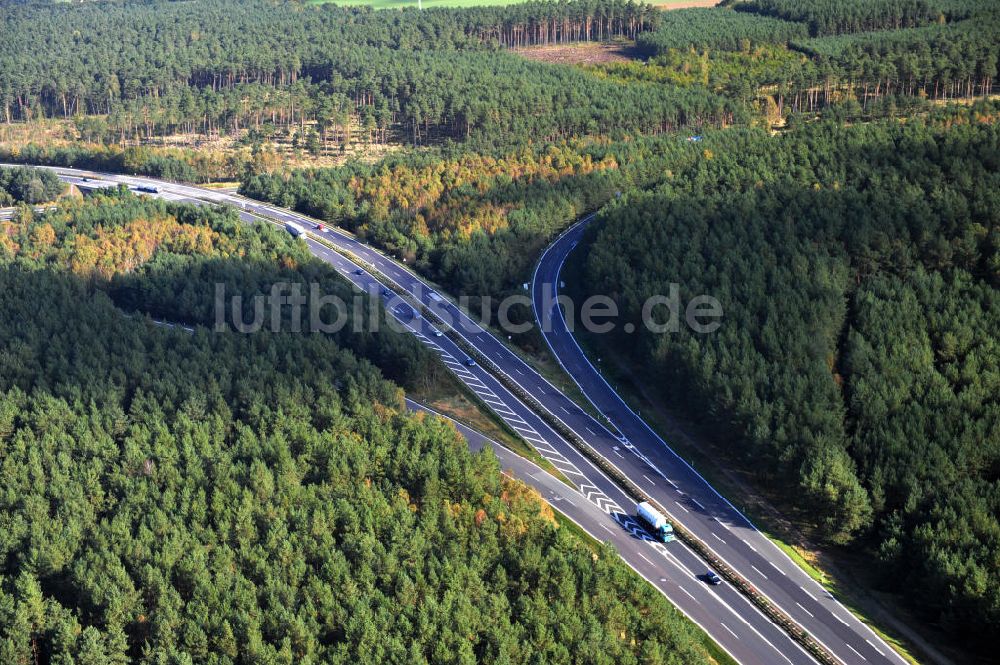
{"x": 294, "y": 229}
{"x": 654, "y": 522}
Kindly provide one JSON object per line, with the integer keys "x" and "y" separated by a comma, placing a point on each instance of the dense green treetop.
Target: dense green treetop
{"x": 214, "y": 65}
{"x": 858, "y": 270}
{"x": 27, "y": 185}
{"x": 704, "y": 28}
{"x": 175, "y": 497}
{"x": 833, "y": 17}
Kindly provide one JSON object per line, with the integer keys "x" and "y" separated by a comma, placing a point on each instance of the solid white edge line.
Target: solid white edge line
{"x": 534, "y": 280}
{"x": 217, "y": 198}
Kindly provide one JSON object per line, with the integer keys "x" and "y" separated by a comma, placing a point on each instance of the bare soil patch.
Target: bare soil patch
{"x": 592, "y": 53}
{"x": 683, "y": 4}
{"x": 279, "y": 151}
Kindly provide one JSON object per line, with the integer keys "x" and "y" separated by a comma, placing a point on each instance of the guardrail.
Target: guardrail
{"x": 740, "y": 583}
{"x": 744, "y": 586}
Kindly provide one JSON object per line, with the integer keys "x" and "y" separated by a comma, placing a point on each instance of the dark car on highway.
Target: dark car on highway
{"x": 712, "y": 578}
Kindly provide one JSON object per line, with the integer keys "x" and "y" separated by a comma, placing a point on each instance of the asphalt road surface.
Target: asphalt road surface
{"x": 598, "y": 524}
{"x": 635, "y": 450}
{"x": 691, "y": 500}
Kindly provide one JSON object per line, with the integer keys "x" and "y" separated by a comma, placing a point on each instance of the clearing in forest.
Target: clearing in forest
{"x": 581, "y": 53}
{"x": 400, "y": 4}
{"x": 682, "y": 4}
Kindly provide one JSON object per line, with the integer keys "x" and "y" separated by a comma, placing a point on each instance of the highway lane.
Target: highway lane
{"x": 675, "y": 484}
{"x": 694, "y": 511}
{"x": 603, "y": 527}
{"x": 760, "y": 641}
{"x": 7, "y": 214}
{"x": 675, "y": 570}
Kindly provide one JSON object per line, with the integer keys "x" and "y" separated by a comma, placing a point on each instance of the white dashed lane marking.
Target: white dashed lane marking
{"x": 856, "y": 651}
{"x": 730, "y": 630}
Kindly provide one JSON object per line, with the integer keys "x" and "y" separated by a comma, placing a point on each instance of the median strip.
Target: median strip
{"x": 741, "y": 584}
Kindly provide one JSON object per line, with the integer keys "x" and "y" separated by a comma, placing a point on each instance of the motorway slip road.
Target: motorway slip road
{"x": 651, "y": 466}
{"x": 726, "y": 615}
{"x": 689, "y": 498}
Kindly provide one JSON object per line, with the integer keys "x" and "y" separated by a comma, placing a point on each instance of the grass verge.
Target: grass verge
{"x": 453, "y": 398}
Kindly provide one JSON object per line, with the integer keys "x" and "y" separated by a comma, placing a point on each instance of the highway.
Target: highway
{"x": 689, "y": 497}
{"x": 574, "y": 506}
{"x": 6, "y": 214}
{"x": 726, "y": 615}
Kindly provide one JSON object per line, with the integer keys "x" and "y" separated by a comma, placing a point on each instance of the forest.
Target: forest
{"x": 347, "y": 73}
{"x": 834, "y": 17}
{"x": 790, "y": 157}
{"x": 858, "y": 270}
{"x": 474, "y": 222}
{"x": 723, "y": 29}
{"x": 175, "y": 497}
{"x": 876, "y": 67}
{"x": 27, "y": 185}
{"x": 329, "y": 80}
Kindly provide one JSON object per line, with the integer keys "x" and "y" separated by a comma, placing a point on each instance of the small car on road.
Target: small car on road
{"x": 712, "y": 578}
{"x": 470, "y": 362}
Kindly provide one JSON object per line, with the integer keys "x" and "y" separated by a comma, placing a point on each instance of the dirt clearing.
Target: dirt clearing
{"x": 591, "y": 53}
{"x": 683, "y": 4}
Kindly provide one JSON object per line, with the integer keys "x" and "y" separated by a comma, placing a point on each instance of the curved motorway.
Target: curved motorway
{"x": 689, "y": 498}
{"x": 732, "y": 621}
